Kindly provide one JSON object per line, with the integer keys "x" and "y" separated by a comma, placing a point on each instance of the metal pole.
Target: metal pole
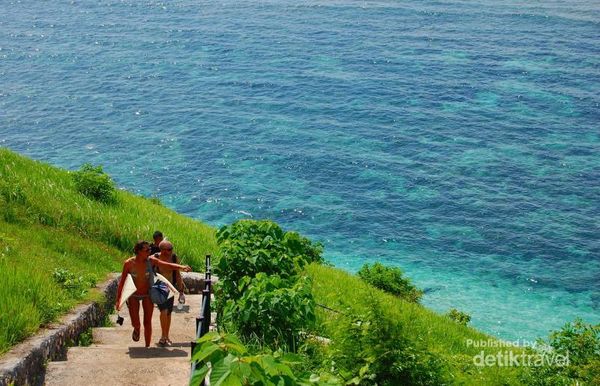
{"x": 203, "y": 320}
{"x": 206, "y": 295}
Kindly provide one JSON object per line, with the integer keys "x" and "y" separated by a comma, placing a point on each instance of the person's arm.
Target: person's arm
{"x": 160, "y": 263}
{"x": 122, "y": 283}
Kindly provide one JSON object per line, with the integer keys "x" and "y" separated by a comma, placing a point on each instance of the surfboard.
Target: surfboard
{"x": 168, "y": 283}
{"x": 128, "y": 289}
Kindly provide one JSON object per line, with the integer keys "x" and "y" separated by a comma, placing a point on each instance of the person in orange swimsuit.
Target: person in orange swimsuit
{"x": 138, "y": 266}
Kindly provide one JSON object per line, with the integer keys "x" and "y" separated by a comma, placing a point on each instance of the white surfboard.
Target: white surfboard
{"x": 129, "y": 289}
{"x": 168, "y": 283}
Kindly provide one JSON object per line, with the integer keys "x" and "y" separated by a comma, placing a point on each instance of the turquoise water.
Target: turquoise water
{"x": 457, "y": 140}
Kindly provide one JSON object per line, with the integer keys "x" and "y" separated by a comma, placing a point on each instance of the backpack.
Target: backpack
{"x": 159, "y": 291}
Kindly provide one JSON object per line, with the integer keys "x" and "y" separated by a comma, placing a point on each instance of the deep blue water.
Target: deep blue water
{"x": 458, "y": 140}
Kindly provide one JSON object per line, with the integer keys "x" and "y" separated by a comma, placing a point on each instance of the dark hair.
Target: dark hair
{"x": 157, "y": 234}
{"x": 139, "y": 246}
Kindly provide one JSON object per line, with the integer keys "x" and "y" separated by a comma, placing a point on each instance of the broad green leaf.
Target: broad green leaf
{"x": 211, "y": 336}
{"x": 258, "y": 373}
{"x": 205, "y": 352}
{"x": 230, "y": 380}
{"x": 221, "y": 370}
{"x": 199, "y": 375}
{"x": 234, "y": 344}
{"x": 272, "y": 367}
{"x": 290, "y": 358}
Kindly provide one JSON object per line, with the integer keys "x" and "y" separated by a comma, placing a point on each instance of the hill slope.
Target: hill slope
{"x": 49, "y": 229}
{"x": 55, "y": 242}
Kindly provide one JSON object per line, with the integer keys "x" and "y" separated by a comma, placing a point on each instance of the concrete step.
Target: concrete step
{"x": 111, "y": 335}
{"x": 152, "y": 370}
{"x": 107, "y": 335}
{"x": 192, "y": 306}
{"x": 137, "y": 354}
{"x": 114, "y": 359}
{"x": 112, "y": 353}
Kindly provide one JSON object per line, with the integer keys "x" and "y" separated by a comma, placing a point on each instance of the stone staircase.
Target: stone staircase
{"x": 115, "y": 359}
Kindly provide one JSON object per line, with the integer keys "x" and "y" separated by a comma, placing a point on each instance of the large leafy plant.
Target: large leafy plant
{"x": 232, "y": 364}
{"x": 459, "y": 317}
{"x": 262, "y": 294}
{"x": 249, "y": 247}
{"x": 272, "y": 310}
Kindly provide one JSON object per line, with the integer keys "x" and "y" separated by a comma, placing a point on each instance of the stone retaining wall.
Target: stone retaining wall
{"x": 194, "y": 281}
{"x": 25, "y": 363}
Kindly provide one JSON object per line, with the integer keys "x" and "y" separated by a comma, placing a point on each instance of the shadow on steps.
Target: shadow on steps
{"x": 155, "y": 352}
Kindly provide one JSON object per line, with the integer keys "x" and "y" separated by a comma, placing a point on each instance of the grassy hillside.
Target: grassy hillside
{"x": 55, "y": 243}
{"x": 29, "y": 295}
{"x": 36, "y": 193}
{"x": 46, "y": 224}
{"x": 420, "y": 328}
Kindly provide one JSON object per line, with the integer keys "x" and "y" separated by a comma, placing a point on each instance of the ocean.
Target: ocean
{"x": 458, "y": 140}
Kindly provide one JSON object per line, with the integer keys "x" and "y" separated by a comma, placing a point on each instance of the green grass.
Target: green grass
{"x": 36, "y": 193}
{"x": 436, "y": 333}
{"x": 29, "y": 296}
{"x": 86, "y": 338}
{"x": 45, "y": 224}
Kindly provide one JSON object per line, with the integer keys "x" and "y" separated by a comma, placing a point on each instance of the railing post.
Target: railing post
{"x": 203, "y": 320}
{"x": 206, "y": 296}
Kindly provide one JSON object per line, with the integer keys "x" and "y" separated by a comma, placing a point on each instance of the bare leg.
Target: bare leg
{"x": 148, "y": 309}
{"x": 168, "y": 325}
{"x": 164, "y": 324}
{"x": 133, "y": 305}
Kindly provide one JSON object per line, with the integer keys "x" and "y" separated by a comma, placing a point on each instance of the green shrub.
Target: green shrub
{"x": 155, "y": 200}
{"x": 373, "y": 350}
{"x": 390, "y": 279}
{"x": 411, "y": 324}
{"x": 248, "y": 247}
{"x": 92, "y": 182}
{"x": 261, "y": 294}
{"x": 459, "y": 316}
{"x": 86, "y": 338}
{"x": 271, "y": 309}
{"x": 231, "y": 364}
{"x": 577, "y": 341}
